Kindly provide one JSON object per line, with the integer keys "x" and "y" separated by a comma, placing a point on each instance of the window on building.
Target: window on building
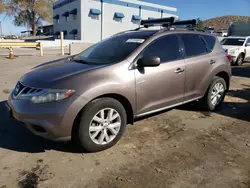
{"x": 74, "y": 32}
{"x": 74, "y": 14}
{"x": 66, "y": 16}
{"x": 166, "y": 48}
{"x": 136, "y": 19}
{"x": 194, "y": 45}
{"x": 118, "y": 16}
{"x": 75, "y": 36}
{"x": 94, "y": 13}
{"x": 56, "y": 18}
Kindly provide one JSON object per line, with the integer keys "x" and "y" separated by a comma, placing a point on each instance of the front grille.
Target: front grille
{"x": 22, "y": 89}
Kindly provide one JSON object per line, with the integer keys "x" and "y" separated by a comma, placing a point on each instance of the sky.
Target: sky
{"x": 187, "y": 9}
{"x": 205, "y": 9}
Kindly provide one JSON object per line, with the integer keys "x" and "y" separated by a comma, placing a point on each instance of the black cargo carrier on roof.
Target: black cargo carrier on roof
{"x": 168, "y": 22}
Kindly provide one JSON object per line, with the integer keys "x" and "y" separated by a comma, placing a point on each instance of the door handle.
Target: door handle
{"x": 179, "y": 70}
{"x": 212, "y": 62}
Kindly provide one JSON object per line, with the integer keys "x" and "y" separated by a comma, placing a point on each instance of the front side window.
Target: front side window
{"x": 233, "y": 42}
{"x": 194, "y": 45}
{"x": 114, "y": 49}
{"x": 166, "y": 48}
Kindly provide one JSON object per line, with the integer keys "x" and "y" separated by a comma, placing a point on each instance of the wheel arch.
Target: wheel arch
{"x": 123, "y": 100}
{"x": 226, "y": 77}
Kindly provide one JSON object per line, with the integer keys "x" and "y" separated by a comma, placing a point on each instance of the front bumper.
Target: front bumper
{"x": 52, "y": 121}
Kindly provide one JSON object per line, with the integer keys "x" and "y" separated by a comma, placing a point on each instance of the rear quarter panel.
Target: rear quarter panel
{"x": 222, "y": 65}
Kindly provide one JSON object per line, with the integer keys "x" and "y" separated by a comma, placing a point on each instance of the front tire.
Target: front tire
{"x": 102, "y": 124}
{"x": 215, "y": 95}
{"x": 239, "y": 60}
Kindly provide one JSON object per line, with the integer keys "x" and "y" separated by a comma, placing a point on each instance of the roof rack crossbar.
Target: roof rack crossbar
{"x": 154, "y": 22}
{"x": 185, "y": 23}
{"x": 168, "y": 22}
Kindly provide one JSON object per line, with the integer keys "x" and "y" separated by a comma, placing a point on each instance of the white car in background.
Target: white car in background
{"x": 238, "y": 48}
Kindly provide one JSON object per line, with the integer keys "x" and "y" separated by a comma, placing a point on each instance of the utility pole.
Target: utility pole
{"x": 102, "y": 14}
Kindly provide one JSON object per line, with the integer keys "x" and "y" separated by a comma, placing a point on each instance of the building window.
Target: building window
{"x": 66, "y": 15}
{"x": 136, "y": 19}
{"x": 118, "y": 16}
{"x": 57, "y": 35}
{"x": 65, "y": 33}
{"x": 56, "y": 17}
{"x": 74, "y": 14}
{"x": 74, "y": 32}
{"x": 94, "y": 13}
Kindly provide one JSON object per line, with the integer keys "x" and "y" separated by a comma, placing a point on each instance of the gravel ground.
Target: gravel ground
{"x": 182, "y": 147}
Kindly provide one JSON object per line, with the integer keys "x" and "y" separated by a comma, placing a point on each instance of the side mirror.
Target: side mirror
{"x": 150, "y": 61}
{"x": 247, "y": 44}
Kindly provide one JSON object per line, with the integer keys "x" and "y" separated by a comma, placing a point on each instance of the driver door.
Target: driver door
{"x": 163, "y": 86}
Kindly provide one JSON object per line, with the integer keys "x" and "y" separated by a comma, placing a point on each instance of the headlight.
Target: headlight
{"x": 234, "y": 51}
{"x": 52, "y": 95}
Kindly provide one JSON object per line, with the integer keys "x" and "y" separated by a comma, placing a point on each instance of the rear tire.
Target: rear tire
{"x": 103, "y": 122}
{"x": 215, "y": 94}
{"x": 240, "y": 60}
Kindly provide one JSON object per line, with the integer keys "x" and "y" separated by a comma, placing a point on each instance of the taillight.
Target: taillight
{"x": 229, "y": 57}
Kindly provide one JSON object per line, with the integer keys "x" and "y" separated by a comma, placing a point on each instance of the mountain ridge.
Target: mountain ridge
{"x": 223, "y": 22}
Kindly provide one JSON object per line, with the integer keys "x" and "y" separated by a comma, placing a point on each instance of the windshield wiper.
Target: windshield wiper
{"x": 81, "y": 61}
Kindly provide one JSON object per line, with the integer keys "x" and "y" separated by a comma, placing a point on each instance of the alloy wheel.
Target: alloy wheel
{"x": 217, "y": 94}
{"x": 105, "y": 126}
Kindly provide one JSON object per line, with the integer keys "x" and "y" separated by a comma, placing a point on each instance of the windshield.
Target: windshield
{"x": 114, "y": 49}
{"x": 233, "y": 42}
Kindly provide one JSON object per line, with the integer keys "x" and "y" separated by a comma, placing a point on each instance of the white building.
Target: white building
{"x": 94, "y": 20}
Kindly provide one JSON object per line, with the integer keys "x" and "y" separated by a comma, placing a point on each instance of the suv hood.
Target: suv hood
{"x": 226, "y": 47}
{"x": 45, "y": 75}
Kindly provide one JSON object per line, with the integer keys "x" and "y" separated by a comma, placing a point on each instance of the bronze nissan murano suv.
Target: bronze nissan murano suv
{"x": 92, "y": 96}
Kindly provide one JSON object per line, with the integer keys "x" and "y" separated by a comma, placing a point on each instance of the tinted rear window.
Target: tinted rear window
{"x": 210, "y": 41}
{"x": 194, "y": 45}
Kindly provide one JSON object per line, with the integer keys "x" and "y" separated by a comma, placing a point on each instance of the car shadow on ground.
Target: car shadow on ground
{"x": 238, "y": 107}
{"x": 242, "y": 71}
{"x": 16, "y": 137}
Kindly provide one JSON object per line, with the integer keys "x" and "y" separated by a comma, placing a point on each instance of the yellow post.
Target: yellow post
{"x": 62, "y": 38}
{"x": 41, "y": 48}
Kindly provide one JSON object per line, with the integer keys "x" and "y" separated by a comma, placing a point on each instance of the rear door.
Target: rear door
{"x": 199, "y": 63}
{"x": 163, "y": 86}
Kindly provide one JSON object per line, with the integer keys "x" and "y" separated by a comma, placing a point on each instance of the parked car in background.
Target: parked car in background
{"x": 238, "y": 48}
{"x": 91, "y": 97}
{"x": 221, "y": 34}
{"x": 11, "y": 37}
